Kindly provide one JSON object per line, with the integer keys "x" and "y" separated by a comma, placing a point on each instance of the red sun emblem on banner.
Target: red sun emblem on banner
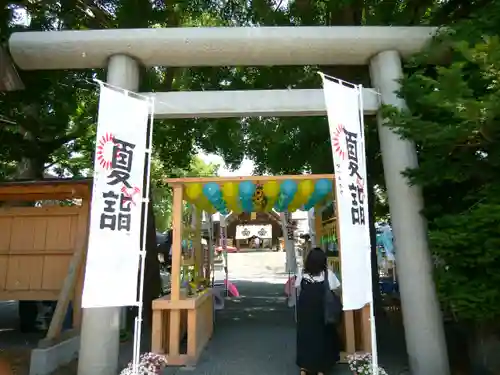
{"x": 338, "y": 142}
{"x": 105, "y": 150}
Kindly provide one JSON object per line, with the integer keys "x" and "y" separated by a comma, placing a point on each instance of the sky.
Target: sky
{"x": 246, "y": 167}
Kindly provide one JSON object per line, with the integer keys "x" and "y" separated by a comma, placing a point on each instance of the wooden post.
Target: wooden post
{"x": 198, "y": 249}
{"x": 175, "y": 314}
{"x": 349, "y": 330}
{"x": 211, "y": 254}
{"x": 67, "y": 292}
{"x": 73, "y": 283}
{"x": 176, "y": 242}
{"x": 158, "y": 332}
{"x": 366, "y": 333}
{"x": 78, "y": 291}
{"x": 318, "y": 226}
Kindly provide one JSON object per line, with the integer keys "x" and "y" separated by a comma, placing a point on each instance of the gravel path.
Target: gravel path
{"x": 255, "y": 334}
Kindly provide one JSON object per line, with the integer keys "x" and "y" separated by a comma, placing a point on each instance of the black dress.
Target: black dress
{"x": 317, "y": 344}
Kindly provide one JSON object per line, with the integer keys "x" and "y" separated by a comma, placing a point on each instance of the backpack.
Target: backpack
{"x": 333, "y": 304}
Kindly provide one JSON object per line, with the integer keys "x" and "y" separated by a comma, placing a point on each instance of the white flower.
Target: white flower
{"x": 149, "y": 364}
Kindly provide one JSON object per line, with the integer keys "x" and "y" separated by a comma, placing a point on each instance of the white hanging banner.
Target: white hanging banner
{"x": 348, "y": 148}
{"x": 288, "y": 233}
{"x": 222, "y": 232}
{"x": 210, "y": 226}
{"x": 246, "y": 231}
{"x": 311, "y": 221}
{"x": 113, "y": 258}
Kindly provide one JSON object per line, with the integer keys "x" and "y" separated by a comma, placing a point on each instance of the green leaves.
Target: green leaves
{"x": 162, "y": 194}
{"x": 453, "y": 119}
{"x": 469, "y": 246}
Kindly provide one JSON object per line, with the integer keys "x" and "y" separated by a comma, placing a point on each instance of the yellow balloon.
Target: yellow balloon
{"x": 271, "y": 191}
{"x": 229, "y": 190}
{"x": 211, "y": 210}
{"x": 187, "y": 195}
{"x": 230, "y": 195}
{"x": 193, "y": 192}
{"x": 233, "y": 205}
{"x": 297, "y": 199}
{"x": 203, "y": 201}
{"x": 206, "y": 207}
{"x": 236, "y": 208}
{"x": 305, "y": 189}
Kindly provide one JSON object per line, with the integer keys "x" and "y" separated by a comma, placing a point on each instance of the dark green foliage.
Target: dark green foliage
{"x": 454, "y": 118}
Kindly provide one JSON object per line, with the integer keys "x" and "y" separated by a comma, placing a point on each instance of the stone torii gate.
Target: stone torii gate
{"x": 382, "y": 48}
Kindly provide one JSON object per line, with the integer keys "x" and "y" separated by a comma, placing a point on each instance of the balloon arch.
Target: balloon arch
{"x": 258, "y": 196}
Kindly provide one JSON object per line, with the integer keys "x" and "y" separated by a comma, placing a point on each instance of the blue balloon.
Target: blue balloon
{"x": 247, "y": 205}
{"x": 214, "y": 195}
{"x": 246, "y": 189}
{"x": 321, "y": 189}
{"x": 288, "y": 189}
{"x": 211, "y": 189}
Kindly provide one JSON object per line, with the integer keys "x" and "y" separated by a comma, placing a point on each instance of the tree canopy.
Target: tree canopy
{"x": 61, "y": 133}
{"x": 162, "y": 195}
{"x": 453, "y": 118}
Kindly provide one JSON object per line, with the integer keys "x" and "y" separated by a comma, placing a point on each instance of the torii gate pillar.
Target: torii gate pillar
{"x": 100, "y": 332}
{"x": 423, "y": 322}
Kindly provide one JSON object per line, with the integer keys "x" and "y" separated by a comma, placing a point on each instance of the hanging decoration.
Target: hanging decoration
{"x": 230, "y": 195}
{"x": 194, "y": 195}
{"x": 247, "y": 190}
{"x": 271, "y": 191}
{"x": 259, "y": 198}
{"x": 304, "y": 190}
{"x": 250, "y": 196}
{"x": 193, "y": 192}
{"x": 288, "y": 189}
{"x": 321, "y": 189}
{"x": 214, "y": 195}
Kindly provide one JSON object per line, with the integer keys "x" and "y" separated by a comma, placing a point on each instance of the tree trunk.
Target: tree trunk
{"x": 30, "y": 169}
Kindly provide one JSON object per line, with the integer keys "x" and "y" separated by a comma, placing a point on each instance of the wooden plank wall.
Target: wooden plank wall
{"x": 36, "y": 246}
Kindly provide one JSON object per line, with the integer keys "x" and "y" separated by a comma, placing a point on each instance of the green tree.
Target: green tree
{"x": 162, "y": 194}
{"x": 52, "y": 123}
{"x": 453, "y": 118}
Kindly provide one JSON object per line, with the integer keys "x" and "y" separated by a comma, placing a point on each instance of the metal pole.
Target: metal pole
{"x": 373, "y": 326}
{"x": 139, "y": 319}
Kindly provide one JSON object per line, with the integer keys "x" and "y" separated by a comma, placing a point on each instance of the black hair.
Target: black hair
{"x": 316, "y": 262}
